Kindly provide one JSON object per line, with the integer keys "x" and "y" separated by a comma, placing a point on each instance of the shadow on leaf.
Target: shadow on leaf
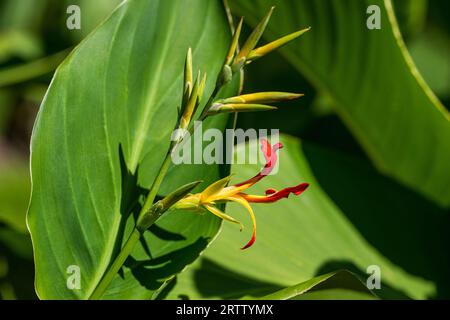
{"x": 152, "y": 273}
{"x": 406, "y": 228}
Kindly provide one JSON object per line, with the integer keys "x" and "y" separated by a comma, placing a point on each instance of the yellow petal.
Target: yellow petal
{"x": 249, "y": 209}
{"x": 214, "y": 188}
{"x": 223, "y": 215}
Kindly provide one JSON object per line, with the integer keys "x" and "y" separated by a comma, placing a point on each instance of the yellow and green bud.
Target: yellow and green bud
{"x": 264, "y": 50}
{"x": 168, "y": 202}
{"x": 188, "y": 78}
{"x": 191, "y": 105}
{"x": 201, "y": 89}
{"x": 254, "y": 38}
{"x": 234, "y": 43}
{"x": 238, "y": 107}
{"x": 262, "y": 98}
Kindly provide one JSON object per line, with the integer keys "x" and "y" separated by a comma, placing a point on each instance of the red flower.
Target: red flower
{"x": 220, "y": 192}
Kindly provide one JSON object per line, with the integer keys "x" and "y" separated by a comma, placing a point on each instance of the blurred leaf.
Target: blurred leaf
{"x": 20, "y": 44}
{"x": 6, "y": 103}
{"x": 16, "y": 259}
{"x": 411, "y": 15}
{"x": 35, "y": 93}
{"x": 17, "y": 242}
{"x": 14, "y": 193}
{"x": 27, "y": 71}
{"x": 100, "y": 137}
{"x": 3, "y": 267}
{"x": 335, "y": 294}
{"x": 320, "y": 288}
{"x": 377, "y": 89}
{"x": 23, "y": 14}
{"x": 438, "y": 13}
{"x": 350, "y": 218}
{"x": 430, "y": 51}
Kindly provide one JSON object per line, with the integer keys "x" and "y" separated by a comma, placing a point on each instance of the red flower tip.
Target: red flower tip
{"x": 276, "y": 195}
{"x": 298, "y": 190}
{"x": 270, "y": 191}
{"x": 251, "y": 242}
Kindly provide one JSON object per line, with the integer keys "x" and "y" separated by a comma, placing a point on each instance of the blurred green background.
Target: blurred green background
{"x": 34, "y": 40}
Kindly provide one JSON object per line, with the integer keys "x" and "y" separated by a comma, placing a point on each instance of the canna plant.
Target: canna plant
{"x": 218, "y": 191}
{"x": 95, "y": 213}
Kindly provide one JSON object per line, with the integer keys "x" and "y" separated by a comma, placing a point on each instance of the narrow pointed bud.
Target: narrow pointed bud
{"x": 262, "y": 97}
{"x": 188, "y": 80}
{"x": 146, "y": 220}
{"x": 179, "y": 194}
{"x": 190, "y": 105}
{"x": 254, "y": 38}
{"x": 264, "y": 50}
{"x": 234, "y": 43}
{"x": 238, "y": 107}
{"x": 188, "y": 77}
{"x": 201, "y": 89}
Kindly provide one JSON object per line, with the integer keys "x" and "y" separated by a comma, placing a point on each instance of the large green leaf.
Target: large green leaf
{"x": 376, "y": 88}
{"x": 100, "y": 137}
{"x": 350, "y": 218}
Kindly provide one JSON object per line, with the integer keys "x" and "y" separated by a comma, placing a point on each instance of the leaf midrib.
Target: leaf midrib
{"x": 146, "y": 116}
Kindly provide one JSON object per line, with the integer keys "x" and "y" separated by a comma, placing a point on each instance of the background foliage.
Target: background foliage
{"x": 370, "y": 139}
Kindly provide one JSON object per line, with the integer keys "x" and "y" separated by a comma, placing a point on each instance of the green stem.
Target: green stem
{"x": 135, "y": 236}
{"x": 208, "y": 105}
{"x": 157, "y": 183}
{"x": 117, "y": 264}
{"x": 146, "y": 210}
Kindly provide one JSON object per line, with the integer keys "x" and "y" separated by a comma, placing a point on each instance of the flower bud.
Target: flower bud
{"x": 234, "y": 43}
{"x": 254, "y": 38}
{"x": 148, "y": 218}
{"x": 262, "y": 98}
{"x": 238, "y": 107}
{"x": 264, "y": 50}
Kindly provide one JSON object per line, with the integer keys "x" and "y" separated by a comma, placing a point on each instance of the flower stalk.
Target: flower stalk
{"x": 192, "y": 96}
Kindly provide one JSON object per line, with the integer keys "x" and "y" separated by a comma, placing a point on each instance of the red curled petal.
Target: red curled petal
{"x": 251, "y": 242}
{"x": 270, "y": 154}
{"x": 270, "y": 191}
{"x": 297, "y": 190}
{"x": 266, "y": 149}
